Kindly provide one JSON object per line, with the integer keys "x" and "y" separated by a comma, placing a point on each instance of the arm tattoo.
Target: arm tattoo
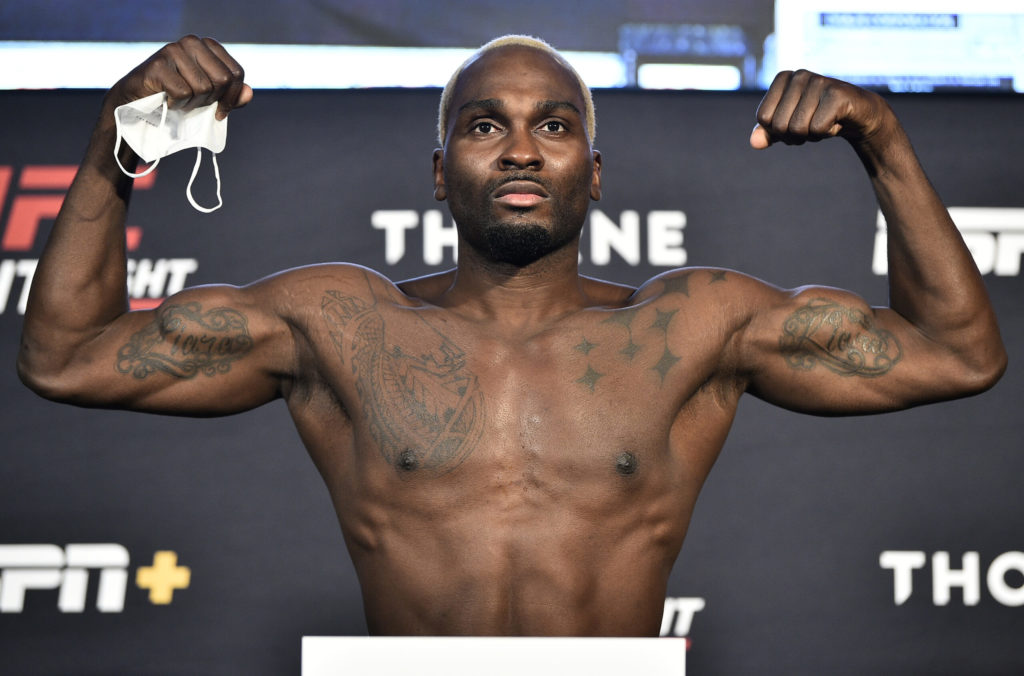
{"x": 421, "y": 403}
{"x": 842, "y": 339}
{"x": 183, "y": 340}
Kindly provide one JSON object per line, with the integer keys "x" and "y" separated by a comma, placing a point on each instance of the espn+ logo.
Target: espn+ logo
{"x": 31, "y": 196}
{"x": 27, "y": 570}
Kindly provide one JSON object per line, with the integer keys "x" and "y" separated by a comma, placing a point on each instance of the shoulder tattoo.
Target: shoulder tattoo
{"x": 680, "y": 282}
{"x": 655, "y": 337}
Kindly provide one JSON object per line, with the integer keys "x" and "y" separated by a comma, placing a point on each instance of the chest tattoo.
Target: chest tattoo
{"x": 626, "y": 354}
{"x": 422, "y": 405}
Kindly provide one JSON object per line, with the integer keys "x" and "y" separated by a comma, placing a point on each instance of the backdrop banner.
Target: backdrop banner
{"x": 145, "y": 544}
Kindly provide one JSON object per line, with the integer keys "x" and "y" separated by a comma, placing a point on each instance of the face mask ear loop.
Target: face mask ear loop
{"x": 195, "y": 170}
{"x": 117, "y": 143}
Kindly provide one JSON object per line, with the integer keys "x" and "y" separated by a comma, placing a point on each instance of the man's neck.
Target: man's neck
{"x": 527, "y": 295}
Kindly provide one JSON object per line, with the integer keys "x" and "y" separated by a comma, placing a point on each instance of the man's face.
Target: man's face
{"x": 517, "y": 168}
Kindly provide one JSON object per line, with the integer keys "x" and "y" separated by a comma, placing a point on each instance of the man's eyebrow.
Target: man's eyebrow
{"x": 550, "y": 106}
{"x": 482, "y": 104}
{"x": 546, "y": 106}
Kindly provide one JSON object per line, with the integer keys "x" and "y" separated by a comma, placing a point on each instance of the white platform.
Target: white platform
{"x": 447, "y": 656}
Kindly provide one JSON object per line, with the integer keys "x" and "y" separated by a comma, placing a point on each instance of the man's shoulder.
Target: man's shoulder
{"x": 602, "y": 292}
{"x": 317, "y": 277}
{"x": 427, "y": 287}
{"x": 296, "y": 290}
{"x": 702, "y": 284}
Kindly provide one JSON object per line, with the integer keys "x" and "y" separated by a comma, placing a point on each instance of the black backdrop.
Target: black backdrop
{"x": 784, "y": 551}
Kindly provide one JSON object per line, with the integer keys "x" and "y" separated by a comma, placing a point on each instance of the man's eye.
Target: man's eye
{"x": 554, "y": 126}
{"x": 483, "y": 127}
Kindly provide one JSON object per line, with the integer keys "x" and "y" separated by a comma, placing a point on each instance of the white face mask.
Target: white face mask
{"x": 154, "y": 131}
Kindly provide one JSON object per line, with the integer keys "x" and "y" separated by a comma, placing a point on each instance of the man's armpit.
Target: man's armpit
{"x": 843, "y": 339}
{"x": 185, "y": 340}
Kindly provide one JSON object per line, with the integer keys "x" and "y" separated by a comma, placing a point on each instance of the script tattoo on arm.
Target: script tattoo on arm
{"x": 422, "y": 405}
{"x": 185, "y": 340}
{"x": 842, "y": 339}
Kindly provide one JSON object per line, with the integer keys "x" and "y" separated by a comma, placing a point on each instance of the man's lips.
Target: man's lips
{"x": 520, "y": 194}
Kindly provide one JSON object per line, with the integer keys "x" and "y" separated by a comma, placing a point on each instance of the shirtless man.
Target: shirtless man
{"x": 511, "y": 447}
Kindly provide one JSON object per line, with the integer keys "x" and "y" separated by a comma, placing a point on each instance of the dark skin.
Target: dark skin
{"x": 511, "y": 447}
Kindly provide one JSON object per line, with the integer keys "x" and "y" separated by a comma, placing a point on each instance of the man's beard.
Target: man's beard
{"x": 519, "y": 244}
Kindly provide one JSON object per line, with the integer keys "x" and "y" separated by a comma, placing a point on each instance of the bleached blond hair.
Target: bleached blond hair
{"x": 522, "y": 41}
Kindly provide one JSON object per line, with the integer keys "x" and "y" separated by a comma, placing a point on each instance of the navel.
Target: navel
{"x": 626, "y": 464}
{"x": 407, "y": 461}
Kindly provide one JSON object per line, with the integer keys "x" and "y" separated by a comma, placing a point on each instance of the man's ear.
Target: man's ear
{"x": 595, "y": 182}
{"x": 440, "y": 190}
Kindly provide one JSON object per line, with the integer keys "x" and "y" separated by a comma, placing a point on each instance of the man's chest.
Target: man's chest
{"x": 429, "y": 390}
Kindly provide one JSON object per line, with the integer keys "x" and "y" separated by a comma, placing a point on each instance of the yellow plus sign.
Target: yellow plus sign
{"x": 163, "y": 577}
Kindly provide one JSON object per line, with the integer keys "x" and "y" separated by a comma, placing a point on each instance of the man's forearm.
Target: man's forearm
{"x": 933, "y": 281}
{"x": 80, "y": 282}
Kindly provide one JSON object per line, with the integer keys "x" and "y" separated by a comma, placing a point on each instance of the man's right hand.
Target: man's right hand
{"x": 193, "y": 71}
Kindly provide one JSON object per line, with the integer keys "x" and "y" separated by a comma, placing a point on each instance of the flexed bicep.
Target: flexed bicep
{"x": 826, "y": 351}
{"x": 206, "y": 351}
{"x": 187, "y": 340}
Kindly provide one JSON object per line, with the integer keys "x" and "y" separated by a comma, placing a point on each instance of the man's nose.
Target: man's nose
{"x": 520, "y": 151}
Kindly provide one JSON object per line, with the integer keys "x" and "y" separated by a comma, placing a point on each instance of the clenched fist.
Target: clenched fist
{"x": 801, "y": 106}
